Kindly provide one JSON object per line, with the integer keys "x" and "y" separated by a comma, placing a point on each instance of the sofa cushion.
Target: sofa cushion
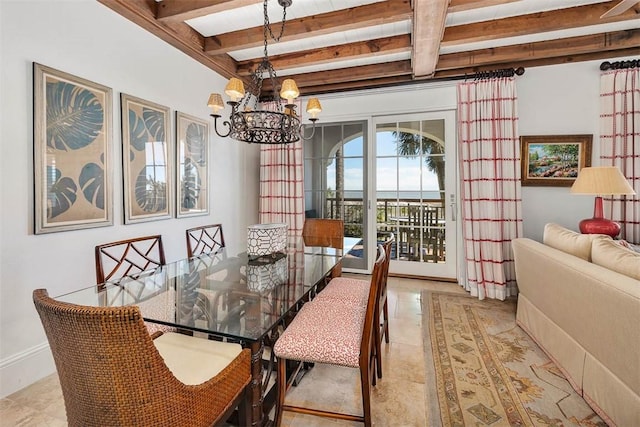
{"x": 569, "y": 241}
{"x": 611, "y": 255}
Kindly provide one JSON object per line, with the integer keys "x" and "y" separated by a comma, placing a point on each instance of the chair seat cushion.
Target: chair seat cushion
{"x": 349, "y": 290}
{"x": 323, "y": 332}
{"x": 195, "y": 360}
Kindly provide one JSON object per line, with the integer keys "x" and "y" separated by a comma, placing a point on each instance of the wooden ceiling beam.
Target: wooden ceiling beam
{"x": 462, "y": 5}
{"x": 342, "y": 20}
{"x": 350, "y": 51}
{"x": 351, "y": 74}
{"x": 561, "y": 19}
{"x": 541, "y": 50}
{"x": 428, "y": 27}
{"x": 182, "y": 10}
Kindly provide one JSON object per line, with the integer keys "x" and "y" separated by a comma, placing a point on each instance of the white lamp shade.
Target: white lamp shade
{"x": 601, "y": 180}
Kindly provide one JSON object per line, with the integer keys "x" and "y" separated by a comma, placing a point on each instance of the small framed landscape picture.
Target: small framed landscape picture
{"x": 192, "y": 142}
{"x": 554, "y": 160}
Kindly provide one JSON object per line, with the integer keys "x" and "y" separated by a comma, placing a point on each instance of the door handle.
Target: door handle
{"x": 452, "y": 205}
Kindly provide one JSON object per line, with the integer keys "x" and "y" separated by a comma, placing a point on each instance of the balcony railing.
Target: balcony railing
{"x": 418, "y": 225}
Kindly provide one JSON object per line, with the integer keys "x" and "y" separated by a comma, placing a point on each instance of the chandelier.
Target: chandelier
{"x": 250, "y": 124}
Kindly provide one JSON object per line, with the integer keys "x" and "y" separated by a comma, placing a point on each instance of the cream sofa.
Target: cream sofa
{"x": 579, "y": 299}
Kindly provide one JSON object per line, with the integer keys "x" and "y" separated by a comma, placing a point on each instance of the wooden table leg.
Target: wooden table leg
{"x": 255, "y": 393}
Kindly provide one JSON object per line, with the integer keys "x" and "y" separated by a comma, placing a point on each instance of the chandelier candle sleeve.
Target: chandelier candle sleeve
{"x": 601, "y": 181}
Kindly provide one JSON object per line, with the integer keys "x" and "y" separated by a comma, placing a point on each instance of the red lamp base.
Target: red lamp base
{"x": 599, "y": 226}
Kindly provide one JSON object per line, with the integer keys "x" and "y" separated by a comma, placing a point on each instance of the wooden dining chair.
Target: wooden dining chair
{"x": 356, "y": 291}
{"x": 323, "y": 232}
{"x": 204, "y": 239}
{"x": 112, "y": 373}
{"x": 335, "y": 333}
{"x": 115, "y": 260}
{"x": 128, "y": 257}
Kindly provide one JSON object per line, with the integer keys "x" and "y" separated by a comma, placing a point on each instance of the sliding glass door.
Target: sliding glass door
{"x": 415, "y": 191}
{"x": 335, "y": 172}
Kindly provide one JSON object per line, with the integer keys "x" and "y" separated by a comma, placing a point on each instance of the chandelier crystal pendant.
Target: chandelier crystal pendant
{"x": 259, "y": 126}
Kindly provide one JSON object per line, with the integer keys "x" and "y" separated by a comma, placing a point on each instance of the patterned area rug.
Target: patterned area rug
{"x": 483, "y": 370}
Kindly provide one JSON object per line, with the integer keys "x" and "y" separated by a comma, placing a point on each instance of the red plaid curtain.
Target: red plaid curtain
{"x": 282, "y": 184}
{"x": 489, "y": 157}
{"x": 620, "y": 144}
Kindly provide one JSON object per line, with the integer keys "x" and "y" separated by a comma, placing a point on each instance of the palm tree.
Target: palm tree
{"x": 413, "y": 144}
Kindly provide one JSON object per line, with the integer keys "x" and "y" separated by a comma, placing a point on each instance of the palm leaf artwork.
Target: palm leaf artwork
{"x": 138, "y": 135}
{"x": 150, "y": 194}
{"x": 191, "y": 185}
{"x": 61, "y": 192}
{"x": 74, "y": 116}
{"x": 195, "y": 142}
{"x": 154, "y": 122}
{"x": 91, "y": 182}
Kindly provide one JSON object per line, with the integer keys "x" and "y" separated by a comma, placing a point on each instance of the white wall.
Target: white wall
{"x": 86, "y": 39}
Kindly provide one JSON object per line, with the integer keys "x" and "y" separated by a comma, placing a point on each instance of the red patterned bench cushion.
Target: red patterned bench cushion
{"x": 323, "y": 332}
{"x": 351, "y": 291}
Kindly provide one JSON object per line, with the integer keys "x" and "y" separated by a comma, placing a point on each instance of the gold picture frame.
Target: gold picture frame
{"x": 72, "y": 140}
{"x": 553, "y": 160}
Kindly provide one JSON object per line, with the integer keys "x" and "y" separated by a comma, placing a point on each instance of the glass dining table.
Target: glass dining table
{"x": 243, "y": 299}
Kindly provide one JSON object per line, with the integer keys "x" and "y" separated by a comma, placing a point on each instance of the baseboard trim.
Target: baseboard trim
{"x": 25, "y": 368}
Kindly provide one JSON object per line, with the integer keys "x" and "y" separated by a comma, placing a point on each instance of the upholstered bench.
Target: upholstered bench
{"x": 337, "y": 332}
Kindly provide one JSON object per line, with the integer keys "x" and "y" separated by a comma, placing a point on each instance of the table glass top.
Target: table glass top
{"x": 240, "y": 297}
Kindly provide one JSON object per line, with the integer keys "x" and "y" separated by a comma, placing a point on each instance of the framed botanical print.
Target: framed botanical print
{"x": 72, "y": 152}
{"x": 192, "y": 157}
{"x": 147, "y": 158}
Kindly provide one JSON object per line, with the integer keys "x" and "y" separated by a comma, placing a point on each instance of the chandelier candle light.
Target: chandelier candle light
{"x": 248, "y": 123}
{"x": 603, "y": 180}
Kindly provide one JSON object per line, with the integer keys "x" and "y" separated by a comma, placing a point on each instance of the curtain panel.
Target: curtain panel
{"x": 282, "y": 183}
{"x": 620, "y": 144}
{"x": 489, "y": 161}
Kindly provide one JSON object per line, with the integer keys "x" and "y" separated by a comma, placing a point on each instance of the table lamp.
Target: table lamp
{"x": 601, "y": 180}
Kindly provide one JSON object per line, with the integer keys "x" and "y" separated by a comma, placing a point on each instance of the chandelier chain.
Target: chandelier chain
{"x": 267, "y": 25}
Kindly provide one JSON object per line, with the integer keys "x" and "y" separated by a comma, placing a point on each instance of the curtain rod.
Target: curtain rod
{"x": 619, "y": 65}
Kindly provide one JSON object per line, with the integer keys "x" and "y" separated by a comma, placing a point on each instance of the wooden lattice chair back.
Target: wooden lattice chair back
{"x": 205, "y": 239}
{"x": 126, "y": 257}
{"x": 323, "y": 232}
{"x": 113, "y": 374}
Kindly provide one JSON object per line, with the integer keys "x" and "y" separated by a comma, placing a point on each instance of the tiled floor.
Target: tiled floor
{"x": 397, "y": 400}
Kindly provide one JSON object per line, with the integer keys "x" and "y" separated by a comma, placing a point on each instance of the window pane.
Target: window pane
{"x": 353, "y": 175}
{"x": 386, "y": 177}
{"x": 386, "y": 140}
{"x": 409, "y": 179}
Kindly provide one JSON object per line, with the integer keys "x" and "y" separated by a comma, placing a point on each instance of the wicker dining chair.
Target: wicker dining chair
{"x": 204, "y": 239}
{"x": 112, "y": 373}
